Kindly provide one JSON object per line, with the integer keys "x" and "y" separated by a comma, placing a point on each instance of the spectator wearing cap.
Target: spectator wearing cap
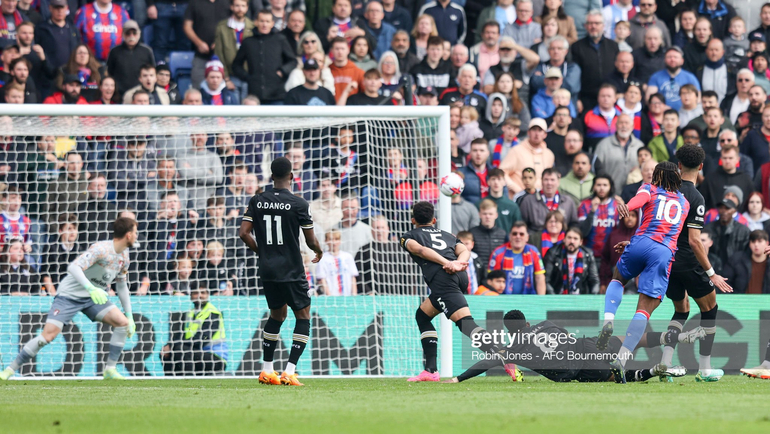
{"x": 531, "y": 152}
{"x": 125, "y": 60}
{"x": 714, "y": 75}
{"x": 649, "y": 58}
{"x": 101, "y": 26}
{"x": 167, "y": 26}
{"x": 595, "y": 54}
{"x": 9, "y": 22}
{"x": 727, "y": 174}
{"x": 645, "y": 19}
{"x": 229, "y": 35}
{"x": 311, "y": 92}
{"x": 163, "y": 81}
{"x": 148, "y": 83}
{"x": 729, "y": 236}
{"x": 450, "y": 19}
{"x": 57, "y": 35}
{"x": 524, "y": 30}
{"x": 265, "y": 61}
{"x": 734, "y": 194}
{"x": 69, "y": 94}
{"x": 543, "y": 105}
{"x": 200, "y": 22}
{"x": 406, "y": 58}
{"x": 485, "y": 54}
{"x": 214, "y": 91}
{"x": 757, "y": 44}
{"x": 464, "y": 92}
{"x": 670, "y": 80}
{"x": 297, "y": 76}
{"x": 558, "y": 49}
{"x": 719, "y": 13}
{"x": 618, "y": 151}
{"x": 427, "y": 96}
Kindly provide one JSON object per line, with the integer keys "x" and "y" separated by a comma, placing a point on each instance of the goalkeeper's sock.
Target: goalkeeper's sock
{"x": 476, "y": 333}
{"x": 612, "y": 299}
{"x": 270, "y": 342}
{"x": 299, "y": 341}
{"x": 671, "y": 337}
{"x": 29, "y": 351}
{"x": 708, "y": 320}
{"x": 429, "y": 340}
{"x": 117, "y": 342}
{"x": 633, "y": 335}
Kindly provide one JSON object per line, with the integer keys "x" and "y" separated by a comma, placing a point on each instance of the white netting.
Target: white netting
{"x": 65, "y": 179}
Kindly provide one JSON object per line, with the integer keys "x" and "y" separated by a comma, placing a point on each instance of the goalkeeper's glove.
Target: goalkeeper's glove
{"x": 97, "y": 294}
{"x": 131, "y": 325}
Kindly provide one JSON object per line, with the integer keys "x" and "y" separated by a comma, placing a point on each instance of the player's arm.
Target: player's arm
{"x": 245, "y": 234}
{"x": 703, "y": 259}
{"x": 475, "y": 370}
{"x": 121, "y": 286}
{"x": 313, "y": 243}
{"x": 414, "y": 247}
{"x": 462, "y": 261}
{"x": 353, "y": 285}
{"x": 75, "y": 269}
{"x": 540, "y": 284}
{"x": 642, "y": 197}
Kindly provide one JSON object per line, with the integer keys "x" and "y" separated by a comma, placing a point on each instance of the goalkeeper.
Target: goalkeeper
{"x": 558, "y": 355}
{"x": 84, "y": 290}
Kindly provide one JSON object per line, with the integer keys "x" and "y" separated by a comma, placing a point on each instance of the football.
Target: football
{"x": 452, "y": 185}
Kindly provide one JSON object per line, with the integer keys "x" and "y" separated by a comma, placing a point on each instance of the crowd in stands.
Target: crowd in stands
{"x": 559, "y": 112}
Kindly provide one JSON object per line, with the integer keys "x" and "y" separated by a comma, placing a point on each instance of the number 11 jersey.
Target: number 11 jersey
{"x": 277, "y": 216}
{"x": 663, "y": 216}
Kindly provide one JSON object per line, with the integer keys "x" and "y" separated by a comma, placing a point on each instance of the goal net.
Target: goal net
{"x": 186, "y": 174}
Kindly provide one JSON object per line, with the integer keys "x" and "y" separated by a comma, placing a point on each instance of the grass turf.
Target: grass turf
{"x": 735, "y": 404}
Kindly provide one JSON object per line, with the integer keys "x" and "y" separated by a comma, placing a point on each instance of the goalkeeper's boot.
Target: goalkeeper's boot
{"x": 112, "y": 374}
{"x": 604, "y": 336}
{"x": 6, "y": 374}
{"x": 514, "y": 372}
{"x": 709, "y": 375}
{"x": 668, "y": 374}
{"x": 424, "y": 376}
{"x": 269, "y": 378}
{"x": 617, "y": 371}
{"x": 690, "y": 337}
{"x": 758, "y": 372}
{"x": 290, "y": 380}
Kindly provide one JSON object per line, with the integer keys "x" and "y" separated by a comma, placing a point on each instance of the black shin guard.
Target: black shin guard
{"x": 428, "y": 339}
{"x": 708, "y": 320}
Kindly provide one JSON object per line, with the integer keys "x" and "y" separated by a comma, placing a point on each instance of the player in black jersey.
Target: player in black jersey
{"x": 275, "y": 217}
{"x": 443, "y": 260}
{"x": 691, "y": 273}
{"x": 560, "y": 356}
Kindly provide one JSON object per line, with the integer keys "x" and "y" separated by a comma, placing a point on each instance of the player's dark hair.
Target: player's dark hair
{"x": 514, "y": 320}
{"x": 758, "y": 235}
{"x": 691, "y": 156}
{"x": 423, "y": 212}
{"x": 281, "y": 168}
{"x": 666, "y": 176}
{"x": 122, "y": 226}
{"x": 607, "y": 177}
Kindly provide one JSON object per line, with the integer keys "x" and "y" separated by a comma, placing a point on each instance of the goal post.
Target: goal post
{"x": 369, "y": 334}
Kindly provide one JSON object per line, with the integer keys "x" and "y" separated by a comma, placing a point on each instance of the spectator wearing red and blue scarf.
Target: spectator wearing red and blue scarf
{"x": 500, "y": 146}
{"x": 214, "y": 91}
{"x": 101, "y": 26}
{"x": 598, "y": 215}
{"x": 571, "y": 268}
{"x": 524, "y": 271}
{"x": 475, "y": 173}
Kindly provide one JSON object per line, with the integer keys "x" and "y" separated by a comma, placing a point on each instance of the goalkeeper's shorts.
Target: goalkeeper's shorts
{"x": 63, "y": 309}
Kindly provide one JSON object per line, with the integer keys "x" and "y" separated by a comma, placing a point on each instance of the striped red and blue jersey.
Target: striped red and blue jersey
{"x": 14, "y": 228}
{"x": 663, "y": 215}
{"x": 101, "y": 31}
{"x": 596, "y": 125}
{"x": 604, "y": 221}
{"x": 520, "y": 268}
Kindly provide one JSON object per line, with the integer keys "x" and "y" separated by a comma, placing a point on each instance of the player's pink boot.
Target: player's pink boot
{"x": 425, "y": 376}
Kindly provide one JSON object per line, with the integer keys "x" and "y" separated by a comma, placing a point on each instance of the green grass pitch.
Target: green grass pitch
{"x": 494, "y": 404}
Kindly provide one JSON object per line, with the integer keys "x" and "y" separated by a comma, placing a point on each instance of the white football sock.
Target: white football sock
{"x": 290, "y": 368}
{"x": 267, "y": 366}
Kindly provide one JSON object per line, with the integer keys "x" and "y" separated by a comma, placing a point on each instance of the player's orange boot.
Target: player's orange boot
{"x": 290, "y": 380}
{"x": 269, "y": 378}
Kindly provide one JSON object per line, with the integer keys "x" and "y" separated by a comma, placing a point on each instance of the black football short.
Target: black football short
{"x": 279, "y": 294}
{"x": 597, "y": 369}
{"x": 446, "y": 293}
{"x": 692, "y": 281}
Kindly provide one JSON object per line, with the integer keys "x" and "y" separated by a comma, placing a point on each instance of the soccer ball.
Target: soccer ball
{"x": 451, "y": 185}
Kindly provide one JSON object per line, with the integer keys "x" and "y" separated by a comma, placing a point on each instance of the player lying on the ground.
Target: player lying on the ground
{"x": 762, "y": 371}
{"x": 554, "y": 353}
{"x": 443, "y": 260}
{"x": 691, "y": 272}
{"x": 649, "y": 255}
{"x": 84, "y": 290}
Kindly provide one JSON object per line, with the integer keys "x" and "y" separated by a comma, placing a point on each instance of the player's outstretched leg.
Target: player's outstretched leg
{"x": 705, "y": 372}
{"x": 30, "y": 350}
{"x": 762, "y": 371}
{"x": 429, "y": 341}
{"x": 299, "y": 341}
{"x": 270, "y": 337}
{"x": 634, "y": 334}
{"x": 612, "y": 299}
{"x": 119, "y": 324}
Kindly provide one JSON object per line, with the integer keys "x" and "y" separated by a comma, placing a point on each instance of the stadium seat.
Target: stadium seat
{"x": 180, "y": 62}
{"x": 147, "y": 35}
{"x": 183, "y": 83}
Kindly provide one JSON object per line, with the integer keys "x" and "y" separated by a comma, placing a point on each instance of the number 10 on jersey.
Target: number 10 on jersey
{"x": 665, "y": 206}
